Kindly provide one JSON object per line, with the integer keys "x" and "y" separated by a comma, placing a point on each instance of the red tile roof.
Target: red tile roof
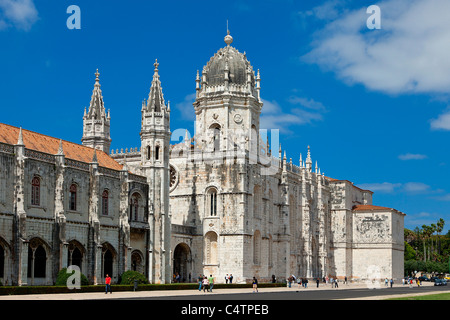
{"x": 50, "y": 145}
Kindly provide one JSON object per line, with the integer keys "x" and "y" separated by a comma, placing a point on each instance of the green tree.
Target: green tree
{"x": 410, "y": 253}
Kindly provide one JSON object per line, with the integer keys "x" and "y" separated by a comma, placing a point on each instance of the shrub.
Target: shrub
{"x": 63, "y": 276}
{"x": 129, "y": 276}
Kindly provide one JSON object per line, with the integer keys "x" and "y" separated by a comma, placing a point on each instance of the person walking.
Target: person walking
{"x": 205, "y": 283}
{"x": 345, "y": 280}
{"x": 317, "y": 282}
{"x": 255, "y": 284}
{"x": 211, "y": 282}
{"x": 108, "y": 284}
{"x": 231, "y": 278}
{"x": 392, "y": 282}
{"x": 336, "y": 283}
{"x": 200, "y": 282}
{"x": 226, "y": 279}
{"x": 305, "y": 281}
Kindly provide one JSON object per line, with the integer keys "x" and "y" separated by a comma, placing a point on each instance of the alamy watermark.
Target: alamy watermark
{"x": 74, "y": 280}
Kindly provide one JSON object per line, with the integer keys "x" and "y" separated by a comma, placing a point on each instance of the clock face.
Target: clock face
{"x": 173, "y": 178}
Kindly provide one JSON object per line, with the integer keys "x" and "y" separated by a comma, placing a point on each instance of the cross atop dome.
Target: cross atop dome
{"x": 228, "y": 39}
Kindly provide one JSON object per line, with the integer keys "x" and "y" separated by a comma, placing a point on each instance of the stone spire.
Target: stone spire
{"x": 155, "y": 102}
{"x": 96, "y": 109}
{"x": 96, "y": 121}
{"x": 20, "y": 139}
{"x": 308, "y": 161}
{"x": 60, "y": 148}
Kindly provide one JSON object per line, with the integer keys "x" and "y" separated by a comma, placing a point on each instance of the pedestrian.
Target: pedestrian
{"x": 385, "y": 282}
{"x": 299, "y": 282}
{"x": 255, "y": 284}
{"x": 326, "y": 279}
{"x": 274, "y": 279}
{"x": 336, "y": 283}
{"x": 305, "y": 281}
{"x": 345, "y": 280}
{"x": 290, "y": 281}
{"x": 392, "y": 282}
{"x": 231, "y": 278}
{"x": 205, "y": 283}
{"x": 200, "y": 282}
{"x": 211, "y": 282}
{"x": 317, "y": 282}
{"x": 226, "y": 279}
{"x": 108, "y": 284}
{"x": 410, "y": 283}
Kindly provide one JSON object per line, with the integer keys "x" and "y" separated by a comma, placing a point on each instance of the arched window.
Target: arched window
{"x": 212, "y": 202}
{"x": 75, "y": 254}
{"x": 37, "y": 260}
{"x": 157, "y": 148}
{"x": 149, "y": 152}
{"x": 105, "y": 199}
{"x": 257, "y": 247}
{"x": 216, "y": 137}
{"x": 36, "y": 191}
{"x": 134, "y": 207}
{"x": 73, "y": 197}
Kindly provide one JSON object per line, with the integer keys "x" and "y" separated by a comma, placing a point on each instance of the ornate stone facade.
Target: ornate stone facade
{"x": 225, "y": 201}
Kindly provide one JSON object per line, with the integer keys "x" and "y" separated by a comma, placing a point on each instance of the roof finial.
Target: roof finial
{"x": 228, "y": 38}
{"x": 20, "y": 139}
{"x": 156, "y": 64}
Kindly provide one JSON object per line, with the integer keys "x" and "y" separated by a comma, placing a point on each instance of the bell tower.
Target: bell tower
{"x": 155, "y": 144}
{"x": 228, "y": 104}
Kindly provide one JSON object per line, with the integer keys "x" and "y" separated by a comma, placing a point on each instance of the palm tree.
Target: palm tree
{"x": 426, "y": 231}
{"x": 440, "y": 226}
{"x": 433, "y": 229}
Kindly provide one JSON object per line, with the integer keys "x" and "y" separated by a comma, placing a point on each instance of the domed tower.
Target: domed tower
{"x": 228, "y": 101}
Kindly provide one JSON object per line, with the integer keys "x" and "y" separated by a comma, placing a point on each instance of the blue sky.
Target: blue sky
{"x": 372, "y": 104}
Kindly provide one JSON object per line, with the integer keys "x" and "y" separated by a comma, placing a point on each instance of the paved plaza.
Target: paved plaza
{"x": 269, "y": 293}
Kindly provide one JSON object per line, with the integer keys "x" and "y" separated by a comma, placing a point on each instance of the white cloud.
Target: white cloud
{"x": 442, "y": 122}
{"x": 274, "y": 117}
{"x": 411, "y": 156}
{"x": 385, "y": 187}
{"x": 408, "y": 55}
{"x": 186, "y": 108}
{"x": 21, "y": 14}
{"x": 416, "y": 187}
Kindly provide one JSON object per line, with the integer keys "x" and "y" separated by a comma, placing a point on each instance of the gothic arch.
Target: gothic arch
{"x": 76, "y": 254}
{"x": 39, "y": 261}
{"x": 137, "y": 261}
{"x": 109, "y": 257}
{"x": 5, "y": 260}
{"x": 182, "y": 261}
{"x": 136, "y": 206}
